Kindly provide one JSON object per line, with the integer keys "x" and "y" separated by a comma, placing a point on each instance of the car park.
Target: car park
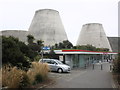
{"x": 56, "y": 65}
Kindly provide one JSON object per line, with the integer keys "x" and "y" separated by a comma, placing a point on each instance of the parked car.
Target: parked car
{"x": 56, "y": 65}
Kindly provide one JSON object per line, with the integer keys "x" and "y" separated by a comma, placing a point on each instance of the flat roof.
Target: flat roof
{"x": 81, "y": 52}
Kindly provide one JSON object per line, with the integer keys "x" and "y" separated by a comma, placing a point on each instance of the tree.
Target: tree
{"x": 40, "y": 44}
{"x": 30, "y": 39}
{"x": 102, "y": 49}
{"x": 67, "y": 44}
{"x": 90, "y": 48}
{"x": 33, "y": 47}
{"x": 85, "y": 47}
{"x": 52, "y": 54}
{"x": 12, "y": 53}
{"x": 56, "y": 45}
{"x": 63, "y": 45}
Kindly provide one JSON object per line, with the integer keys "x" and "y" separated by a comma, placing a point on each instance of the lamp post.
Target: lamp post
{"x": 42, "y": 53}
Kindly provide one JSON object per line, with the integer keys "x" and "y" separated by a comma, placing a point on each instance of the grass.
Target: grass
{"x": 12, "y": 77}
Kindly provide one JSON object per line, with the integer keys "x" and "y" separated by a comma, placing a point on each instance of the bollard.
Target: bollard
{"x": 85, "y": 66}
{"x": 110, "y": 67}
{"x": 101, "y": 67}
{"x": 93, "y": 66}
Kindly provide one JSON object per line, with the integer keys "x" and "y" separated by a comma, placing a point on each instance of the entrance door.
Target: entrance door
{"x": 81, "y": 61}
{"x": 75, "y": 61}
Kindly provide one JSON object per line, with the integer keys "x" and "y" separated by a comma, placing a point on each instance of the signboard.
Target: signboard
{"x": 61, "y": 58}
{"x": 46, "y": 48}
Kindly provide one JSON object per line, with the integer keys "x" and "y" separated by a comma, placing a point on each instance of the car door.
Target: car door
{"x": 53, "y": 65}
{"x": 49, "y": 63}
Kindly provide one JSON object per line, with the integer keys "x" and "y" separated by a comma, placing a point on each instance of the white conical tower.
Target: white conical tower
{"x": 47, "y": 26}
{"x": 20, "y": 34}
{"x": 93, "y": 34}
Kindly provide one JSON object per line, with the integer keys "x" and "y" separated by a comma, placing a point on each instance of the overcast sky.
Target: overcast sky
{"x": 18, "y": 14}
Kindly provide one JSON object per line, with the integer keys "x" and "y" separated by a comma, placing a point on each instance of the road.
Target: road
{"x": 84, "y": 78}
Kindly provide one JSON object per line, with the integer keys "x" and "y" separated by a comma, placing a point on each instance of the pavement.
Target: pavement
{"x": 84, "y": 78}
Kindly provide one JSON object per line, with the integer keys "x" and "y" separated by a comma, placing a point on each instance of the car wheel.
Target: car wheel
{"x": 59, "y": 70}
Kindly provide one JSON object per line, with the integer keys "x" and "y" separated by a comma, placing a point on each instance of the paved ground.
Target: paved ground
{"x": 84, "y": 78}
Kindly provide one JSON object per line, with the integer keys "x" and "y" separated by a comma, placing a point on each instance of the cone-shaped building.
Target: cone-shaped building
{"x": 47, "y": 26}
{"x": 20, "y": 34}
{"x": 93, "y": 34}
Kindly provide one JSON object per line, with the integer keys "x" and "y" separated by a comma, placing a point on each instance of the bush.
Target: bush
{"x": 38, "y": 70}
{"x": 13, "y": 77}
{"x": 0, "y": 77}
{"x": 116, "y": 65}
{"x": 38, "y": 79}
{"x": 25, "y": 80}
{"x": 116, "y": 69}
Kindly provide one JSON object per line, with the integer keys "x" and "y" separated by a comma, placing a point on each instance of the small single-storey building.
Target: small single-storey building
{"x": 83, "y": 58}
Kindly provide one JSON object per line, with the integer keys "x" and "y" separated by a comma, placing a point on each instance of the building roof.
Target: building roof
{"x": 81, "y": 52}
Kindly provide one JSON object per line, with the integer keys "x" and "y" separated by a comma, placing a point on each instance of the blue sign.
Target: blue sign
{"x": 46, "y": 48}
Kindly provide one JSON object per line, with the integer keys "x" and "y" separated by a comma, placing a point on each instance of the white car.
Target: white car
{"x": 56, "y": 65}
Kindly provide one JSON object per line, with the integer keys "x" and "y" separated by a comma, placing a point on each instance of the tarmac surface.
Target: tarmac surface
{"x": 84, "y": 78}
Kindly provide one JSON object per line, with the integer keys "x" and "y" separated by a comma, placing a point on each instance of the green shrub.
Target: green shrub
{"x": 38, "y": 79}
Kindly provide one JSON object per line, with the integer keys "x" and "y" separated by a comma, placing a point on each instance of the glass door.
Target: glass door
{"x": 75, "y": 61}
